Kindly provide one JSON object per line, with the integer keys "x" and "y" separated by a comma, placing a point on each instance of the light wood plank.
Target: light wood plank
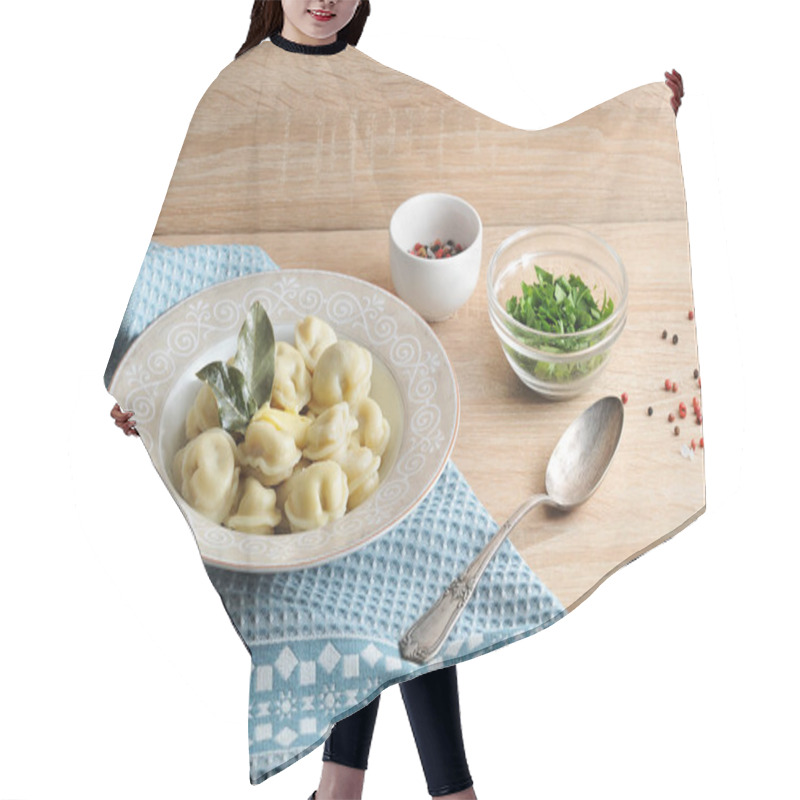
{"x": 286, "y": 143}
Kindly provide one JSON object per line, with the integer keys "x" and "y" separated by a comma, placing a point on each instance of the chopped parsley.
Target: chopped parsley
{"x": 563, "y": 305}
{"x": 558, "y": 305}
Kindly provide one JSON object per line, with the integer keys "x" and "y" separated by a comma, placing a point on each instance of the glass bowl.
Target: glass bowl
{"x": 557, "y": 364}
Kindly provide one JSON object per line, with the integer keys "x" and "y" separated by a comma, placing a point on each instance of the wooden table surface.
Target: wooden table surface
{"x": 307, "y": 157}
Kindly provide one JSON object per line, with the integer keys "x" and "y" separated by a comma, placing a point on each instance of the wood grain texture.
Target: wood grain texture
{"x": 282, "y": 142}
{"x": 308, "y": 157}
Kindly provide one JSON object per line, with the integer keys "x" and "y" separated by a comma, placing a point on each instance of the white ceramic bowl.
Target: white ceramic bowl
{"x": 435, "y": 288}
{"x": 413, "y": 384}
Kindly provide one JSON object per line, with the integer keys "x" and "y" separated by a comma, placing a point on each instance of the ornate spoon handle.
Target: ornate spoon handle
{"x": 423, "y": 640}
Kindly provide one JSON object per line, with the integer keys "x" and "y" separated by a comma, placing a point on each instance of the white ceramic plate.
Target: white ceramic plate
{"x": 413, "y": 383}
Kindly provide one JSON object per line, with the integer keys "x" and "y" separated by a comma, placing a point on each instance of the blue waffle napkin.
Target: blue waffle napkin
{"x": 323, "y": 640}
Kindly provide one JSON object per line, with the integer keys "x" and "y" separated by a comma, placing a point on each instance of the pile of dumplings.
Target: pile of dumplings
{"x": 307, "y": 457}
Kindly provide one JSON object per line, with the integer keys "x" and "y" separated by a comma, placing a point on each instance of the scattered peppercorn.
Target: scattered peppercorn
{"x": 699, "y": 419}
{"x": 691, "y": 314}
{"x": 701, "y": 442}
{"x": 696, "y": 373}
{"x": 664, "y": 334}
{"x": 675, "y": 387}
{"x": 677, "y": 431}
{"x": 682, "y": 413}
{"x": 694, "y": 445}
{"x": 670, "y": 417}
{"x": 667, "y": 384}
{"x": 649, "y": 411}
{"x": 624, "y": 397}
{"x": 675, "y": 339}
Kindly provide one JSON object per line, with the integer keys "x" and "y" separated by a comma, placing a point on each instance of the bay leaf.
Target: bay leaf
{"x": 255, "y": 353}
{"x": 234, "y": 399}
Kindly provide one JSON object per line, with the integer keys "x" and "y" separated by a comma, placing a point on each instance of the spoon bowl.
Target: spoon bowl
{"x": 577, "y": 466}
{"x": 581, "y": 458}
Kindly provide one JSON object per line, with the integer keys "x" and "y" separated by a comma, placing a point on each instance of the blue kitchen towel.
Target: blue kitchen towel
{"x": 323, "y": 640}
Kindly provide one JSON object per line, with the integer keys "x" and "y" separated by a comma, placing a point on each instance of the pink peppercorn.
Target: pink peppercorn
{"x": 667, "y": 384}
{"x": 624, "y": 397}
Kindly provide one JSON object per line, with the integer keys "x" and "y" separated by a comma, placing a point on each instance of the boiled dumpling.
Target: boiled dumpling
{"x": 343, "y": 373}
{"x": 294, "y": 424}
{"x": 315, "y": 496}
{"x": 329, "y": 433}
{"x": 203, "y": 414}
{"x": 312, "y": 337}
{"x": 361, "y": 466}
{"x": 206, "y": 473}
{"x": 267, "y": 453}
{"x": 291, "y": 388}
{"x": 373, "y": 428}
{"x": 282, "y": 490}
{"x": 256, "y": 511}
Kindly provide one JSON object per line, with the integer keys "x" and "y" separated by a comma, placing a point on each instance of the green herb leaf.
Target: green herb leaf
{"x": 255, "y": 354}
{"x": 234, "y": 400}
{"x": 563, "y": 305}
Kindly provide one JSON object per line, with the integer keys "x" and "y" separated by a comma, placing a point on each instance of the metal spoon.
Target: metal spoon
{"x": 577, "y": 465}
